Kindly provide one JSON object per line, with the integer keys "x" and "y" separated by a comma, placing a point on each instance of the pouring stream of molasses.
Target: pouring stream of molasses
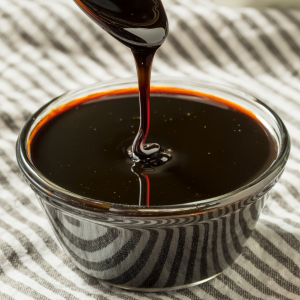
{"x": 143, "y": 27}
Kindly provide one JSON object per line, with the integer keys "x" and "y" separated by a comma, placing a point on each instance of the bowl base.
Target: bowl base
{"x": 164, "y": 289}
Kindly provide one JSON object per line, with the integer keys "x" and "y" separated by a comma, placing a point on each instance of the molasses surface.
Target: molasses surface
{"x": 215, "y": 149}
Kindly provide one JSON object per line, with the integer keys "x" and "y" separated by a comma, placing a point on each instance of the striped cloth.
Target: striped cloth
{"x": 48, "y": 47}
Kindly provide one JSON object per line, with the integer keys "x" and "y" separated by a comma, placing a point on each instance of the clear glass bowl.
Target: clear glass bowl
{"x": 155, "y": 248}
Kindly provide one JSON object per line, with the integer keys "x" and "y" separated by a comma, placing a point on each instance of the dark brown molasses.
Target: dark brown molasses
{"x": 216, "y": 148}
{"x": 143, "y": 27}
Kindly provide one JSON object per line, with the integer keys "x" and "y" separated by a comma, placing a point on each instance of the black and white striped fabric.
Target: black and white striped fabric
{"x": 48, "y": 47}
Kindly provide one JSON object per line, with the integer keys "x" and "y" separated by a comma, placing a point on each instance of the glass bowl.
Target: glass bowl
{"x": 155, "y": 248}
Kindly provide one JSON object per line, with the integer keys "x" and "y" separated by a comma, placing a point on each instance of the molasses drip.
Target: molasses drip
{"x": 143, "y": 27}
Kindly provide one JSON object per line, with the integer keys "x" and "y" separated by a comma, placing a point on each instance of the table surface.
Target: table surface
{"x": 48, "y": 47}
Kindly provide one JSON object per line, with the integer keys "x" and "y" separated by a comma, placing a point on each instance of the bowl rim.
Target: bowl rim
{"x": 63, "y": 196}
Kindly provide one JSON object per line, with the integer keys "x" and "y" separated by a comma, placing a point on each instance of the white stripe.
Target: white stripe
{"x": 12, "y": 292}
{"x": 14, "y": 274}
{"x": 33, "y": 266}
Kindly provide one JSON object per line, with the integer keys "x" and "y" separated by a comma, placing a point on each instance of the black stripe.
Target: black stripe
{"x": 266, "y": 269}
{"x": 189, "y": 294}
{"x": 271, "y": 213}
{"x": 9, "y": 122}
{"x": 291, "y": 18}
{"x": 288, "y": 237}
{"x": 292, "y": 120}
{"x": 193, "y": 253}
{"x": 16, "y": 87}
{"x": 53, "y": 40}
{"x": 181, "y": 50}
{"x": 209, "y": 289}
{"x": 276, "y": 253}
{"x": 21, "y": 287}
{"x": 199, "y": 43}
{"x": 203, "y": 260}
{"x": 158, "y": 267}
{"x": 296, "y": 22}
{"x": 281, "y": 202}
{"x": 40, "y": 25}
{"x": 252, "y": 51}
{"x": 255, "y": 54}
{"x": 35, "y": 83}
{"x": 246, "y": 44}
{"x": 285, "y": 35}
{"x": 257, "y": 284}
{"x": 72, "y": 221}
{"x": 269, "y": 44}
{"x": 116, "y": 292}
{"x": 88, "y": 245}
{"x": 287, "y": 117}
{"x": 5, "y": 296}
{"x": 293, "y": 190}
{"x": 236, "y": 288}
{"x": 171, "y": 296}
{"x": 107, "y": 263}
{"x": 49, "y": 243}
{"x": 235, "y": 59}
{"x": 10, "y": 163}
{"x": 165, "y": 57}
{"x": 224, "y": 239}
{"x": 177, "y": 46}
{"x": 149, "y": 296}
{"x": 292, "y": 223}
{"x": 22, "y": 114}
{"x": 77, "y": 38}
{"x": 253, "y": 211}
{"x": 29, "y": 39}
{"x": 234, "y": 237}
{"x": 82, "y": 67}
{"x": 15, "y": 261}
{"x": 215, "y": 247}
{"x": 178, "y": 258}
{"x": 47, "y": 239}
{"x": 25, "y": 114}
{"x": 133, "y": 271}
{"x": 102, "y": 38}
{"x": 19, "y": 195}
